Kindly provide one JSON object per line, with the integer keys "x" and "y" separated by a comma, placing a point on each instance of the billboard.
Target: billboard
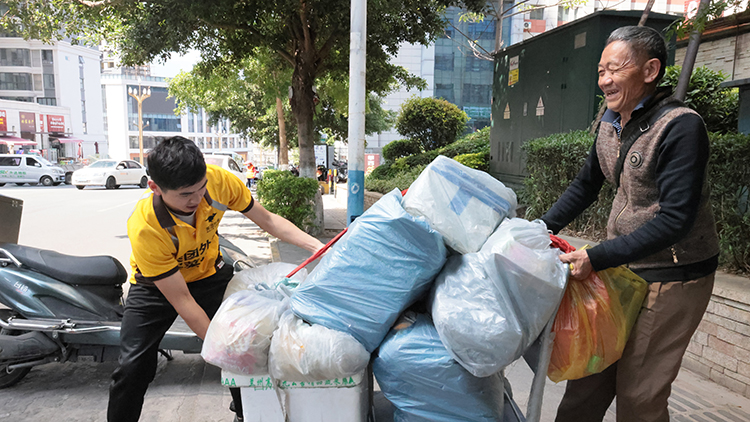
{"x": 28, "y": 121}
{"x": 54, "y": 123}
{"x": 371, "y": 161}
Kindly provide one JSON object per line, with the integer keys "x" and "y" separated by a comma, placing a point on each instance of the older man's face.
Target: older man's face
{"x": 622, "y": 78}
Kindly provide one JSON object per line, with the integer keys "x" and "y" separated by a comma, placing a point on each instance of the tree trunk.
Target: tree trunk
{"x": 690, "y": 54}
{"x": 302, "y": 107}
{"x": 283, "y": 146}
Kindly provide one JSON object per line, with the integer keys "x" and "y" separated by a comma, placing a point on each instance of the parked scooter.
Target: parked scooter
{"x": 61, "y": 308}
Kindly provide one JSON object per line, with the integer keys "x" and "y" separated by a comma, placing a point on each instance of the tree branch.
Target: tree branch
{"x": 305, "y": 26}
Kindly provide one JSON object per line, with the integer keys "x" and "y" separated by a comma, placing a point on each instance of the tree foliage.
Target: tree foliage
{"x": 312, "y": 36}
{"x": 394, "y": 150}
{"x": 432, "y": 122}
{"x": 718, "y": 106}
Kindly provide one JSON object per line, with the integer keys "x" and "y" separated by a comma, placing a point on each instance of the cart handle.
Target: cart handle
{"x": 317, "y": 254}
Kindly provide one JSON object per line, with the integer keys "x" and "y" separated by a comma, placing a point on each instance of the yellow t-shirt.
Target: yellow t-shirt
{"x": 162, "y": 244}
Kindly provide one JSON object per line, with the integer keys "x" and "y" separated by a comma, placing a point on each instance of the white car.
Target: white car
{"x": 227, "y": 163}
{"x": 111, "y": 174}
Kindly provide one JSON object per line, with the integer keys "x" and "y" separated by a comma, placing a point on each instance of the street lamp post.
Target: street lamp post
{"x": 140, "y": 95}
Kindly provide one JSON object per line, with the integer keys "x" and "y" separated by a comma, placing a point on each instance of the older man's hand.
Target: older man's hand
{"x": 580, "y": 266}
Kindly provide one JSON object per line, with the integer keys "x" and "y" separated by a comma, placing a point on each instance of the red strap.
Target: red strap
{"x": 317, "y": 254}
{"x": 561, "y": 244}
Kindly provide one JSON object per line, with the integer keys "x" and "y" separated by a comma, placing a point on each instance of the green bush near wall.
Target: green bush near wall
{"x": 554, "y": 161}
{"x": 289, "y": 196}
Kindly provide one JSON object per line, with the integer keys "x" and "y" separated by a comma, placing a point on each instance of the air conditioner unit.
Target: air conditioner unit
{"x": 527, "y": 25}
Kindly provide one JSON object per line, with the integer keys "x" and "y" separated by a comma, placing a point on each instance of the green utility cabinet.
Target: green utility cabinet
{"x": 548, "y": 84}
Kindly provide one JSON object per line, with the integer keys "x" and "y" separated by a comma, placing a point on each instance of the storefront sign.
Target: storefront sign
{"x": 3, "y": 121}
{"x": 55, "y": 123}
{"x": 28, "y": 122}
{"x": 371, "y": 161}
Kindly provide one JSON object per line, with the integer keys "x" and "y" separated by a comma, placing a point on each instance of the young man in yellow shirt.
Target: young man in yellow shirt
{"x": 177, "y": 268}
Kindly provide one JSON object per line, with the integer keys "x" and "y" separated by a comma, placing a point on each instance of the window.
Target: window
{"x": 563, "y": 14}
{"x": 46, "y": 101}
{"x": 484, "y": 30}
{"x": 233, "y": 166}
{"x": 133, "y": 165}
{"x": 444, "y": 61}
{"x": 200, "y": 120}
{"x": 475, "y": 64}
{"x": 444, "y": 91}
{"x": 15, "y": 57}
{"x": 38, "y": 82}
{"x": 537, "y": 13}
{"x": 16, "y": 82}
{"x": 10, "y": 161}
{"x": 32, "y": 162}
{"x": 449, "y": 28}
{"x": 191, "y": 122}
{"x": 476, "y": 94}
{"x": 47, "y": 57}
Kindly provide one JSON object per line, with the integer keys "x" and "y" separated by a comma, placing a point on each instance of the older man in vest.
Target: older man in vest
{"x": 655, "y": 151}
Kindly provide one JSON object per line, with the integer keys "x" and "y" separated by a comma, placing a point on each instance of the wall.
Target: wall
{"x": 730, "y": 55}
{"x": 720, "y": 349}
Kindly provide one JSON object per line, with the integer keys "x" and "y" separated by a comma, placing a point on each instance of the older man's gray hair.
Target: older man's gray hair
{"x": 643, "y": 41}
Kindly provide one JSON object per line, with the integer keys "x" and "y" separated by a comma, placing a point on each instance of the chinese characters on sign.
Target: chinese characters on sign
{"x": 3, "y": 121}
{"x": 513, "y": 75}
{"x": 28, "y": 122}
{"x": 55, "y": 123}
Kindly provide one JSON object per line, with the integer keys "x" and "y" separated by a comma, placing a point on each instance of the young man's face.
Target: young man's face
{"x": 184, "y": 200}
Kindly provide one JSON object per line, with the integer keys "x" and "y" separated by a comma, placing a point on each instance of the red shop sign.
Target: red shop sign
{"x": 3, "y": 121}
{"x": 28, "y": 122}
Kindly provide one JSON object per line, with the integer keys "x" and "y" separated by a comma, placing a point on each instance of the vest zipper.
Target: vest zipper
{"x": 622, "y": 210}
{"x": 674, "y": 254}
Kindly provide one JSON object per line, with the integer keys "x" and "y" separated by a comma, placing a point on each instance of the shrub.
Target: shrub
{"x": 289, "y": 196}
{"x": 718, "y": 106}
{"x": 472, "y": 143}
{"x": 552, "y": 163}
{"x": 729, "y": 180}
{"x": 432, "y": 122}
{"x": 400, "y": 148}
{"x": 478, "y": 161}
{"x": 408, "y": 163}
{"x": 382, "y": 172}
{"x": 401, "y": 180}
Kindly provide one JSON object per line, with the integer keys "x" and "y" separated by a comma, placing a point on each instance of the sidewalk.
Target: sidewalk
{"x": 693, "y": 398}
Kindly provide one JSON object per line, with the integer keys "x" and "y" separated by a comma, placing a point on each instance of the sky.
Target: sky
{"x": 176, "y": 64}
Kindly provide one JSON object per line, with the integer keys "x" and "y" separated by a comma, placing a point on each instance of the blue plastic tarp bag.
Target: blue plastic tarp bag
{"x": 423, "y": 382}
{"x": 384, "y": 263}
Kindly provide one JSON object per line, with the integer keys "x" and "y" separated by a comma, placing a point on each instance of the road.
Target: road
{"x": 92, "y": 221}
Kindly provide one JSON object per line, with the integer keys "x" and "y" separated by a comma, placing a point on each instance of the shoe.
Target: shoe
{"x": 238, "y": 419}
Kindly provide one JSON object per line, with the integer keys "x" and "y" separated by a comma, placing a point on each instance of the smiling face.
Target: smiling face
{"x": 183, "y": 200}
{"x": 625, "y": 78}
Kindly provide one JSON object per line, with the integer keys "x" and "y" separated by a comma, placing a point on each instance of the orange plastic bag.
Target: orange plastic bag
{"x": 594, "y": 322}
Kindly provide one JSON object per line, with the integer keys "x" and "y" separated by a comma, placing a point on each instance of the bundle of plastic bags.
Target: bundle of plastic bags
{"x": 594, "y": 322}
{"x": 489, "y": 307}
{"x": 264, "y": 277}
{"x": 417, "y": 374}
{"x": 385, "y": 262}
{"x": 304, "y": 352}
{"x": 239, "y": 335}
{"x": 463, "y": 204}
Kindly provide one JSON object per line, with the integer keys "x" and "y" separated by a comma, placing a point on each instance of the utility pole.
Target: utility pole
{"x": 139, "y": 96}
{"x": 357, "y": 95}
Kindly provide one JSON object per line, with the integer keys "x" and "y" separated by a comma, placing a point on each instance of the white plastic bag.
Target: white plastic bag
{"x": 489, "y": 307}
{"x": 267, "y": 276}
{"x": 303, "y": 352}
{"x": 462, "y": 204}
{"x": 239, "y": 335}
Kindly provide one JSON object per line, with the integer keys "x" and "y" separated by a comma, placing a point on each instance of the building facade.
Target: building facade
{"x": 50, "y": 99}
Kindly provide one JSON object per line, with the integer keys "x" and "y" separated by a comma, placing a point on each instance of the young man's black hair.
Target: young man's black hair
{"x": 176, "y": 162}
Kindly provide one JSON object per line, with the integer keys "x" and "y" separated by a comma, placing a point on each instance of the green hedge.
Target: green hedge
{"x": 401, "y": 180}
{"x": 729, "y": 179}
{"x": 400, "y": 148}
{"x": 478, "y": 161}
{"x": 554, "y": 161}
{"x": 289, "y": 196}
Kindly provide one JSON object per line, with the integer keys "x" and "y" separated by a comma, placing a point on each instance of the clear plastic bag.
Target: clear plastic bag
{"x": 303, "y": 352}
{"x": 594, "y": 322}
{"x": 463, "y": 204}
{"x": 489, "y": 308}
{"x": 384, "y": 263}
{"x": 266, "y": 277}
{"x": 417, "y": 374}
{"x": 239, "y": 335}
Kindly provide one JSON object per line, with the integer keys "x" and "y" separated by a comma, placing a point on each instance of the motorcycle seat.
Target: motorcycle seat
{"x": 74, "y": 270}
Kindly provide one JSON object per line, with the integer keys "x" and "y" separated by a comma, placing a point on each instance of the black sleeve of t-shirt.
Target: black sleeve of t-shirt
{"x": 680, "y": 173}
{"x": 580, "y": 194}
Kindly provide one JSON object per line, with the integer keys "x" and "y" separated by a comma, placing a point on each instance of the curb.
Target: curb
{"x": 275, "y": 255}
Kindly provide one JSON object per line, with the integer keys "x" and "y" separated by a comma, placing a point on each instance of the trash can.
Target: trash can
{"x": 10, "y": 224}
{"x": 336, "y": 400}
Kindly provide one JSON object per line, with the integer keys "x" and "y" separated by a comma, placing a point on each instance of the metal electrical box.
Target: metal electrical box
{"x": 10, "y": 219}
{"x": 548, "y": 84}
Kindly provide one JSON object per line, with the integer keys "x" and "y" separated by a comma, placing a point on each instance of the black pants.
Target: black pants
{"x": 148, "y": 315}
